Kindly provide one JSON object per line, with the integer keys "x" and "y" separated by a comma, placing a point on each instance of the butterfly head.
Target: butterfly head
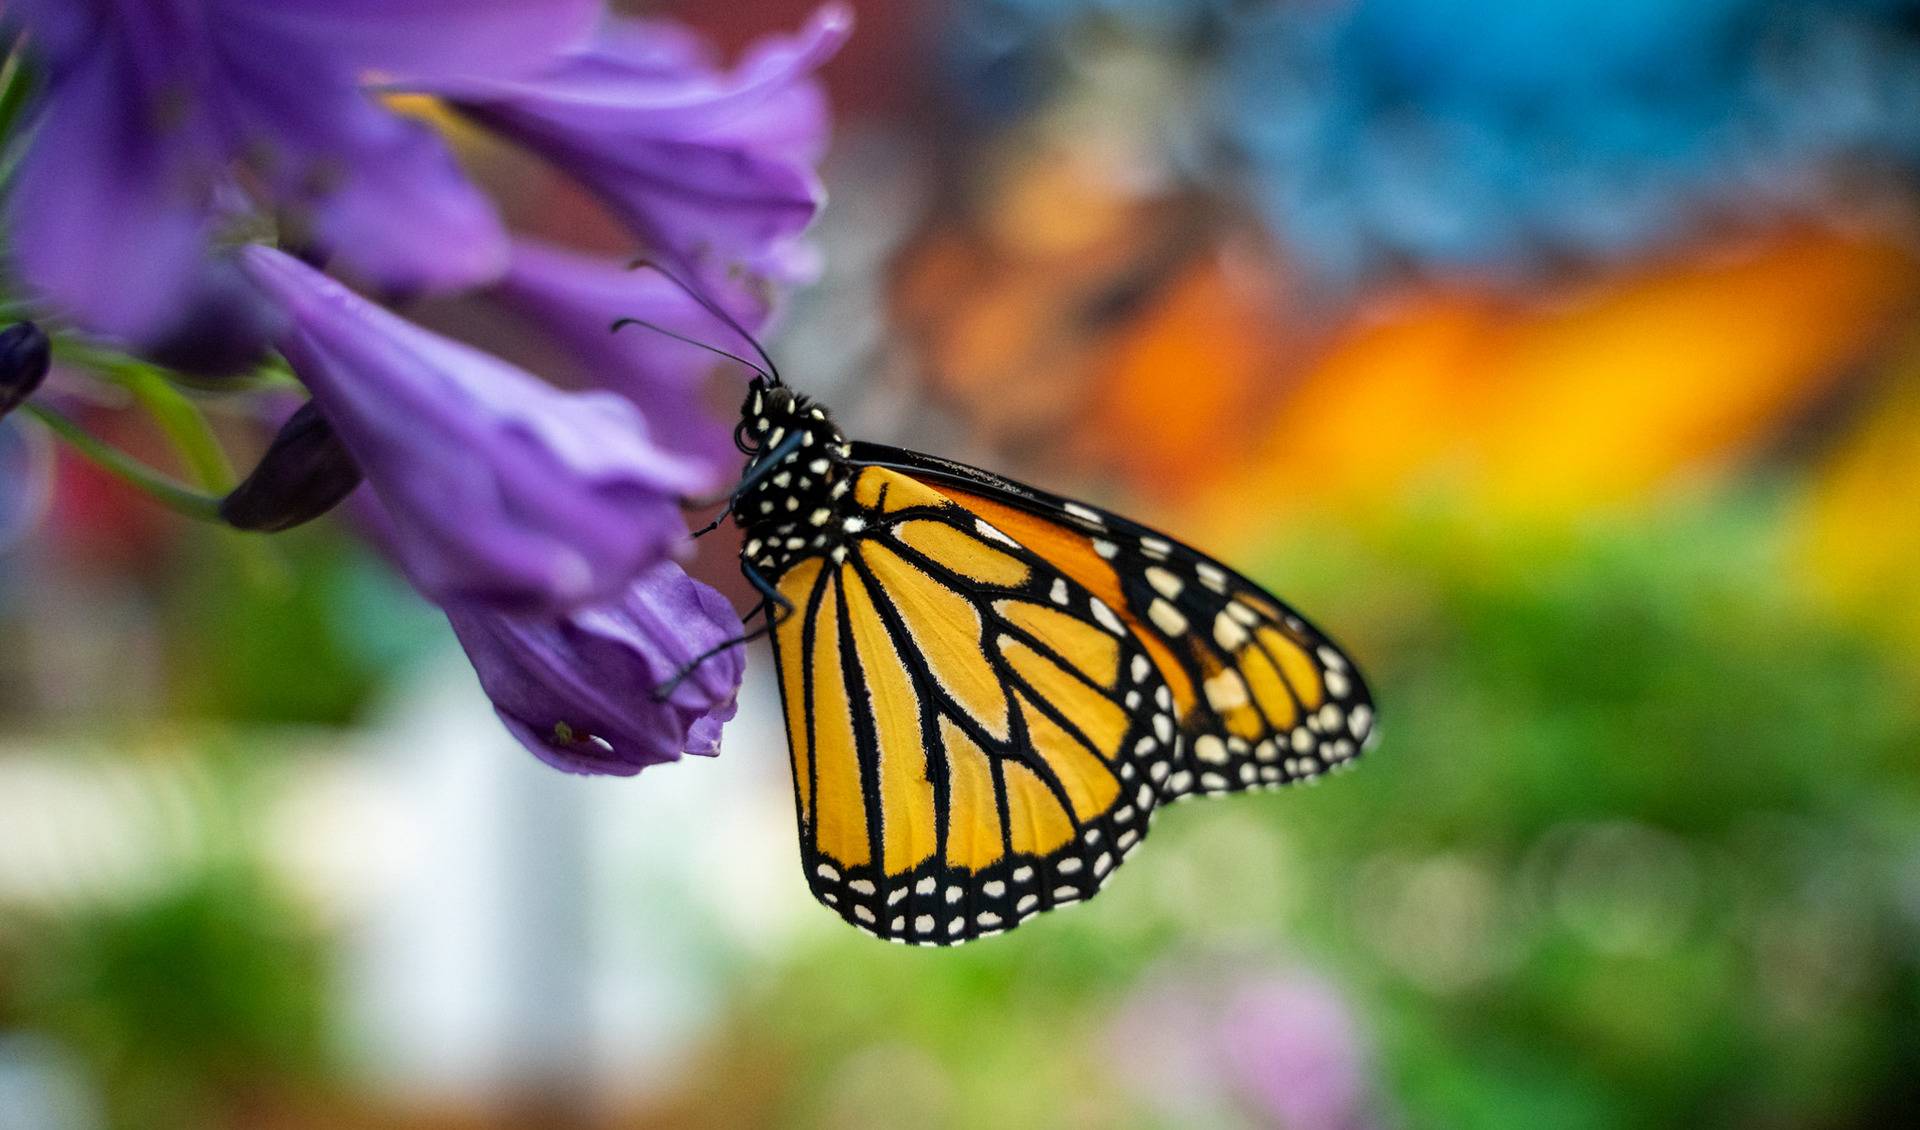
{"x": 798, "y": 475}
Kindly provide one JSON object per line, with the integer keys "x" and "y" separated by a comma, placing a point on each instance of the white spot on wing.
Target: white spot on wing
{"x": 1226, "y": 691}
{"x": 1164, "y": 582}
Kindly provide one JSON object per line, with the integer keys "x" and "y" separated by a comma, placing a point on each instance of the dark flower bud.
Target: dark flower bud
{"x": 224, "y": 327}
{"x": 305, "y": 473}
{"x": 25, "y": 355}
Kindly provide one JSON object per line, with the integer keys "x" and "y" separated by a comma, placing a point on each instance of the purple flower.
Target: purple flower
{"x": 711, "y": 171}
{"x": 156, "y": 111}
{"x": 1280, "y": 1044}
{"x": 575, "y": 299}
{"x": 579, "y": 690}
{"x": 500, "y": 489}
{"x": 1292, "y": 1050}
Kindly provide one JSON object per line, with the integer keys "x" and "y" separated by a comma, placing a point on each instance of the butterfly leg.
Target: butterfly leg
{"x": 715, "y": 524}
{"x": 773, "y": 604}
{"x": 769, "y": 594}
{"x": 763, "y": 466}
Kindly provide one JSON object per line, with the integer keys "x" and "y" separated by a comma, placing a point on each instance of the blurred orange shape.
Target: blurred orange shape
{"x": 1178, "y": 380}
{"x": 1600, "y": 395}
{"x": 1686, "y": 370}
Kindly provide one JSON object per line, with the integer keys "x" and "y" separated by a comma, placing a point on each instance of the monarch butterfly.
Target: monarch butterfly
{"x": 989, "y": 690}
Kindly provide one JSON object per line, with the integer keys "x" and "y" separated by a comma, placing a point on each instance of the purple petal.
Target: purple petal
{"x": 109, "y": 216}
{"x": 378, "y": 194}
{"x": 710, "y": 170}
{"x": 421, "y": 38}
{"x": 579, "y": 690}
{"x": 576, "y": 298}
{"x": 502, "y": 490}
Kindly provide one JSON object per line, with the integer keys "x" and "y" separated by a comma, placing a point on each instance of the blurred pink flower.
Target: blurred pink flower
{"x": 1280, "y": 1045}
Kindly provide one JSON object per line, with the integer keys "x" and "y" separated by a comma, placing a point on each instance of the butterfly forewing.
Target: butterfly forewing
{"x": 976, "y": 735}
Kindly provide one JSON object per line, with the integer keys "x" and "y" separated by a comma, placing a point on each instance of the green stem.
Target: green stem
{"x": 178, "y": 418}
{"x": 127, "y": 469}
{"x": 185, "y": 427}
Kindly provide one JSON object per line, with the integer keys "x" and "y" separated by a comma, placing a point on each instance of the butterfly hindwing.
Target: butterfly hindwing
{"x": 976, "y": 736}
{"x": 1261, "y": 696}
{"x": 1274, "y": 700}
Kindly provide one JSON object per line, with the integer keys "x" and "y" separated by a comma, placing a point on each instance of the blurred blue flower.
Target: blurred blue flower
{"x": 578, "y": 690}
{"x": 1378, "y": 135}
{"x": 154, "y": 114}
{"x": 500, "y": 488}
{"x": 711, "y": 171}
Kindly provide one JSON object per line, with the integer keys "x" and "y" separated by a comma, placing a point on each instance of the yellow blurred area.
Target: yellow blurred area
{"x": 1539, "y": 407}
{"x": 1858, "y": 534}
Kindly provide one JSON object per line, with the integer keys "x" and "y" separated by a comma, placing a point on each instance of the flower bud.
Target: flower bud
{"x": 305, "y": 473}
{"x": 25, "y": 355}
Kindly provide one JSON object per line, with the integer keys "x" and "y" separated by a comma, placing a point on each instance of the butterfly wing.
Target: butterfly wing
{"x": 1261, "y": 696}
{"x": 976, "y": 736}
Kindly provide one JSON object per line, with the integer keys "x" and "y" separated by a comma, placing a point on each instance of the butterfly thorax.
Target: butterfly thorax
{"x": 794, "y": 503}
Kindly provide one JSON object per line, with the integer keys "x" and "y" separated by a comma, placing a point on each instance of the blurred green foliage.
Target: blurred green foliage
{"x": 302, "y": 629}
{"x": 1634, "y": 851}
{"x": 183, "y": 1008}
{"x": 199, "y": 990}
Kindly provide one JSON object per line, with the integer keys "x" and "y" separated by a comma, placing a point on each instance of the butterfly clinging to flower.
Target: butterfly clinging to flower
{"x": 989, "y": 690}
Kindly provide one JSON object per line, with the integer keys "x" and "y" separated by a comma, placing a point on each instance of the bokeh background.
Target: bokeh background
{"x": 1560, "y": 356}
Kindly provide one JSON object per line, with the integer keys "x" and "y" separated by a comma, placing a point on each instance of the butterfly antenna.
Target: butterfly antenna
{"x": 622, "y": 323}
{"x": 771, "y": 370}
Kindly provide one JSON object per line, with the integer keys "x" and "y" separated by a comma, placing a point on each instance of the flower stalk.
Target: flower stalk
{"x": 162, "y": 488}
